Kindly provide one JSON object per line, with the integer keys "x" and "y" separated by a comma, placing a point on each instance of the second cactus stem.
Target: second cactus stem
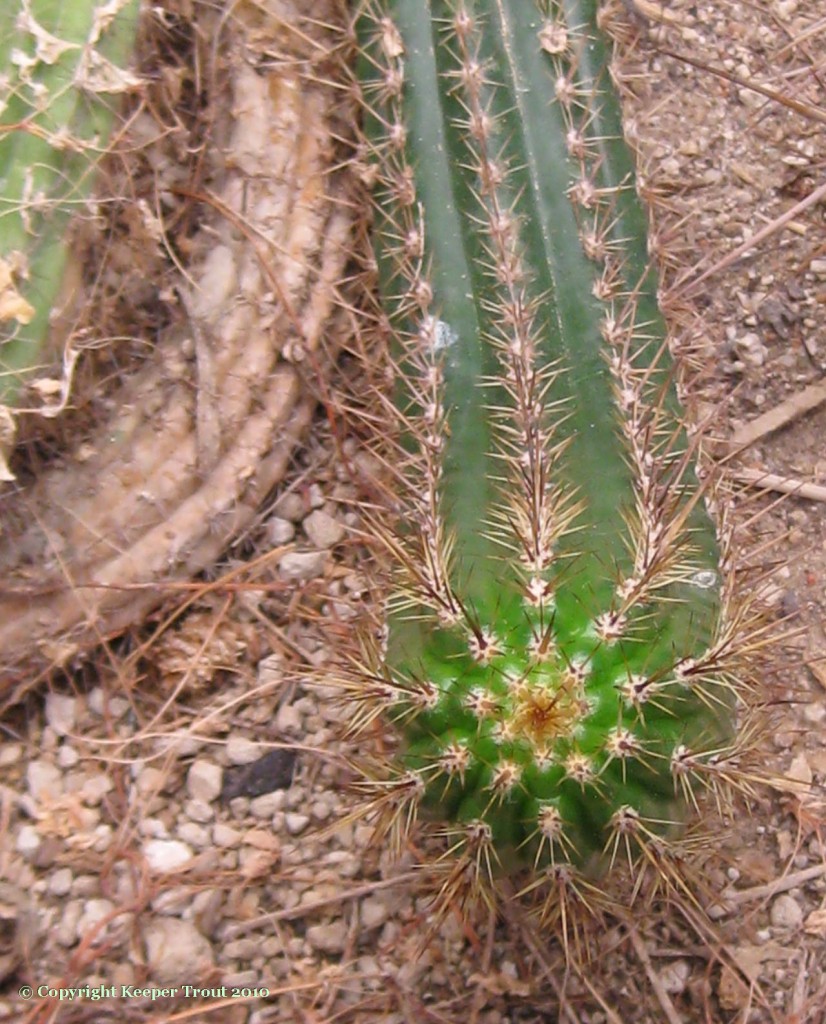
{"x": 566, "y": 664}
{"x": 64, "y": 63}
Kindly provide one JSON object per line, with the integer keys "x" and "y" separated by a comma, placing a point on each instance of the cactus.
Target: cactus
{"x": 62, "y": 63}
{"x": 567, "y": 663}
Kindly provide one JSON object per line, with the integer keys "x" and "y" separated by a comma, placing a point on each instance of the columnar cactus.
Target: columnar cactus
{"x": 62, "y": 62}
{"x": 565, "y": 663}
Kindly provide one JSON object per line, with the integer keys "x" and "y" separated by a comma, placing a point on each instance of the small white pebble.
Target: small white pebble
{"x": 329, "y": 938}
{"x": 10, "y": 753}
{"x": 204, "y": 780}
{"x": 302, "y": 565}
{"x": 240, "y": 750}
{"x": 95, "y": 788}
{"x": 197, "y": 810}
{"x": 280, "y": 531}
{"x": 94, "y": 911}
{"x": 786, "y": 912}
{"x": 66, "y": 932}
{"x": 674, "y": 976}
{"x": 28, "y": 841}
{"x": 44, "y": 780}
{"x": 60, "y": 883}
{"x": 154, "y": 828}
{"x": 61, "y": 712}
{"x": 166, "y": 854}
{"x": 194, "y": 835}
{"x": 98, "y": 703}
{"x": 66, "y": 757}
{"x": 175, "y": 950}
{"x": 288, "y": 719}
{"x": 296, "y": 823}
{"x": 149, "y": 781}
{"x": 374, "y": 912}
{"x": 266, "y": 805}
{"x": 323, "y": 530}
{"x": 104, "y": 834}
{"x": 225, "y": 836}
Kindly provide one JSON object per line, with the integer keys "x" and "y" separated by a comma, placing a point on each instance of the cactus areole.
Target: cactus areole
{"x": 559, "y": 661}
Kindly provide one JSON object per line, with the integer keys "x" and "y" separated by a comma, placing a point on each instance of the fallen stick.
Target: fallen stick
{"x": 780, "y": 416}
{"x": 782, "y": 484}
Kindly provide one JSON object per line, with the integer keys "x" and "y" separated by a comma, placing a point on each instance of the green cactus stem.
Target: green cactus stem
{"x": 565, "y": 663}
{"x": 63, "y": 63}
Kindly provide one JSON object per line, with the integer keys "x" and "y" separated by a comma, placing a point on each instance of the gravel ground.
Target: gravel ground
{"x": 168, "y": 814}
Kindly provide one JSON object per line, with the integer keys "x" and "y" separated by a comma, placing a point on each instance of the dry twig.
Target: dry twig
{"x": 780, "y": 416}
{"x": 782, "y": 484}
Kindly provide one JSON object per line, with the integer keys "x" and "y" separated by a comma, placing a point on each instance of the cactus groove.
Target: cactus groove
{"x": 565, "y": 663}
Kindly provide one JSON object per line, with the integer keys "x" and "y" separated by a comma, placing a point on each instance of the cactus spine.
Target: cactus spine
{"x": 63, "y": 61}
{"x": 566, "y": 664}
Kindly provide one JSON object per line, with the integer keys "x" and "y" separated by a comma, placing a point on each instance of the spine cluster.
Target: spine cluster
{"x": 565, "y": 663}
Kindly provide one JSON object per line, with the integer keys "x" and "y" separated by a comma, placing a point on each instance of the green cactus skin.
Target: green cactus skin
{"x": 565, "y": 662}
{"x": 63, "y": 62}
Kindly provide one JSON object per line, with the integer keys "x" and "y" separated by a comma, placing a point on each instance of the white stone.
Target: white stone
{"x": 242, "y": 979}
{"x": 290, "y": 506}
{"x": 86, "y": 886}
{"x": 674, "y": 976}
{"x": 95, "y": 788}
{"x": 66, "y": 931}
{"x": 204, "y": 780}
{"x": 116, "y": 707}
{"x": 205, "y": 910}
{"x": 172, "y": 901}
{"x": 301, "y": 565}
{"x": 149, "y": 781}
{"x": 154, "y": 828}
{"x": 786, "y": 912}
{"x": 288, "y": 719}
{"x": 266, "y": 805}
{"x": 751, "y": 349}
{"x": 296, "y": 823}
{"x": 323, "y": 530}
{"x": 104, "y": 834}
{"x": 329, "y": 938}
{"x": 240, "y": 750}
{"x": 194, "y": 835}
{"x": 197, "y": 810}
{"x": 176, "y": 952}
{"x": 225, "y": 836}
{"x": 166, "y": 854}
{"x": 61, "y": 712}
{"x": 280, "y": 531}
{"x": 67, "y": 757}
{"x": 28, "y": 841}
{"x": 44, "y": 780}
{"x": 374, "y": 912}
{"x": 60, "y": 883}
{"x": 10, "y": 753}
{"x": 94, "y": 911}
